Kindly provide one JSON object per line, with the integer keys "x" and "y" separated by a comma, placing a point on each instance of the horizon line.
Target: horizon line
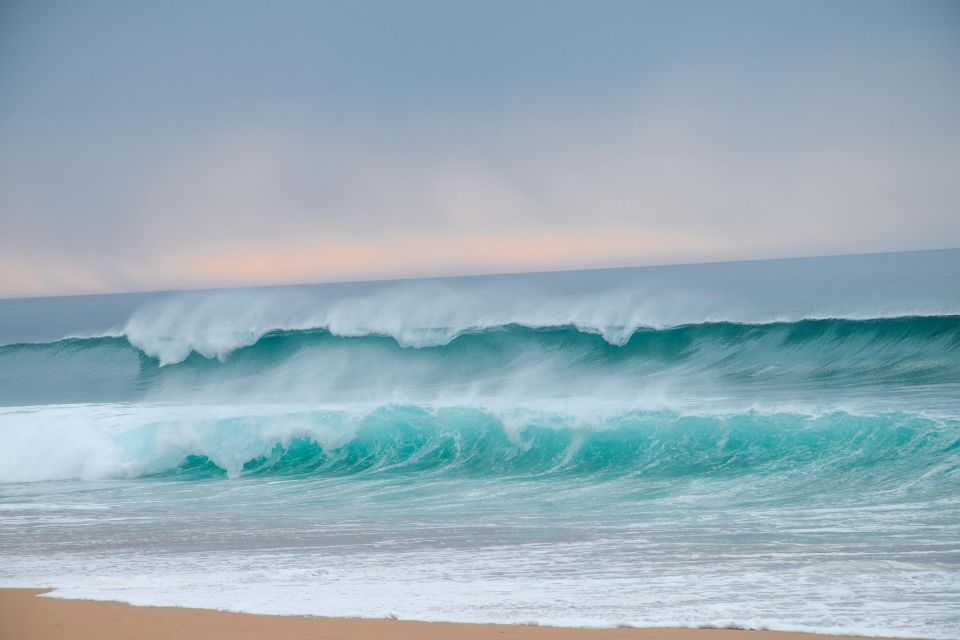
{"x": 463, "y": 276}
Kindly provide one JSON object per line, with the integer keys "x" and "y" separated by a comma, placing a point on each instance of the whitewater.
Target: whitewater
{"x": 770, "y": 444}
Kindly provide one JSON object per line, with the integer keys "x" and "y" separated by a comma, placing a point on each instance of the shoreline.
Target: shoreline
{"x": 25, "y": 616}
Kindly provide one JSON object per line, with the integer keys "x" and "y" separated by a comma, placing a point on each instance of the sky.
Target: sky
{"x": 164, "y": 145}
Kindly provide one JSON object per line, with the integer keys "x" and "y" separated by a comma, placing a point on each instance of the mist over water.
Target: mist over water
{"x": 770, "y": 444}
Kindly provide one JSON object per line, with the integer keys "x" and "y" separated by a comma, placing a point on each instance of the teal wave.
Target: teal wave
{"x": 910, "y": 356}
{"x": 884, "y": 452}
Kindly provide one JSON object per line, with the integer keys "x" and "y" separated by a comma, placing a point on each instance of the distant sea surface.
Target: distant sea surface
{"x": 766, "y": 444}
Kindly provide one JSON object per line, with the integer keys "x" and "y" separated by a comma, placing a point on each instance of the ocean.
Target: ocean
{"x": 770, "y": 444}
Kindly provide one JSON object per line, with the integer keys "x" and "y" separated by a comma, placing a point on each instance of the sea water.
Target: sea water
{"x": 763, "y": 444}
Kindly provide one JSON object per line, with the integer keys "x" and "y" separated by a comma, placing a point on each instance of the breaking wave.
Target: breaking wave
{"x": 881, "y": 452}
{"x": 910, "y": 357}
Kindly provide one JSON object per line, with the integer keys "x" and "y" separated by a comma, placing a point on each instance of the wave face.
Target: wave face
{"x": 768, "y": 445}
{"x": 879, "y": 450}
{"x": 914, "y": 360}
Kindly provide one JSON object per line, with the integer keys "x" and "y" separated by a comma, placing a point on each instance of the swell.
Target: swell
{"x": 173, "y": 348}
{"x": 913, "y": 357}
{"x": 882, "y": 452}
{"x": 913, "y": 327}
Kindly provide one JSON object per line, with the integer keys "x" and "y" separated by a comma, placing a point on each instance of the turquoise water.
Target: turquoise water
{"x": 912, "y": 359}
{"x": 762, "y": 444}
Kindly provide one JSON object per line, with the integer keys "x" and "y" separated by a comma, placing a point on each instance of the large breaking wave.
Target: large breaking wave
{"x": 907, "y": 358}
{"x": 881, "y": 452}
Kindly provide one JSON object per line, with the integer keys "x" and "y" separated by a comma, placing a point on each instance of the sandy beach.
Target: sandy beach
{"x": 24, "y": 616}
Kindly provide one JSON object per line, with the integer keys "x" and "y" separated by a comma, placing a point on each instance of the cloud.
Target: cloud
{"x": 843, "y": 150}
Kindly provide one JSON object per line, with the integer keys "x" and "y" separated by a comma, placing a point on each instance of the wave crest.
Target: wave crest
{"x": 886, "y": 450}
{"x": 811, "y": 363}
{"x": 425, "y": 315}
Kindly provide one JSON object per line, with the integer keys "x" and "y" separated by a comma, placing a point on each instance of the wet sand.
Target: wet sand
{"x": 24, "y": 616}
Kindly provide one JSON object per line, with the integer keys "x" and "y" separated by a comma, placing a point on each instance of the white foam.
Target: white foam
{"x": 415, "y": 315}
{"x": 511, "y": 585}
{"x": 431, "y": 313}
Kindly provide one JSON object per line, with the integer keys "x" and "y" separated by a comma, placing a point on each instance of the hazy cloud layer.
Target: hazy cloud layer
{"x": 338, "y": 141}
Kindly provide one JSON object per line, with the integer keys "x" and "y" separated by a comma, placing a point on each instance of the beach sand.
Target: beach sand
{"x": 23, "y": 616}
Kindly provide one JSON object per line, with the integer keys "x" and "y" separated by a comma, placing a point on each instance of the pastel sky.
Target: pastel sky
{"x": 157, "y": 145}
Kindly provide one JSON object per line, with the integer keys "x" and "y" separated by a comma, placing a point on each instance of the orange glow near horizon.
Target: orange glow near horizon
{"x": 430, "y": 257}
{"x": 342, "y": 260}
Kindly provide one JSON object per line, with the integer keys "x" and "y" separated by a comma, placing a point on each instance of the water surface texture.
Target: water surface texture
{"x": 768, "y": 444}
